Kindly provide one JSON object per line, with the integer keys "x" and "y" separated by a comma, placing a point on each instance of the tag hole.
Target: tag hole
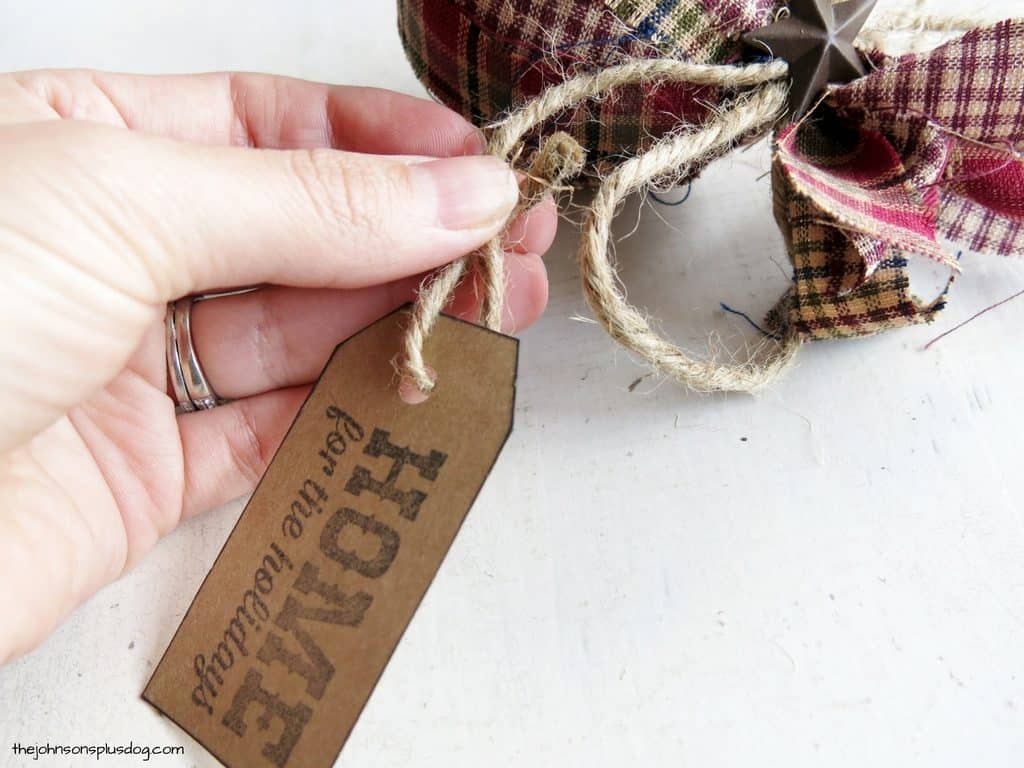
{"x": 410, "y": 393}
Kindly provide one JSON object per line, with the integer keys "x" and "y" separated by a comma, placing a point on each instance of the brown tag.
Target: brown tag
{"x": 306, "y": 602}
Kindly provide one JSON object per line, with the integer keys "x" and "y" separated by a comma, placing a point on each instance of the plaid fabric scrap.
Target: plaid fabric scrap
{"x": 703, "y": 31}
{"x": 832, "y": 297}
{"x": 484, "y": 57}
{"x": 926, "y": 147}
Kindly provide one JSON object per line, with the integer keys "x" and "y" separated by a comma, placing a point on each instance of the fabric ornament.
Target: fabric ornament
{"x": 925, "y": 148}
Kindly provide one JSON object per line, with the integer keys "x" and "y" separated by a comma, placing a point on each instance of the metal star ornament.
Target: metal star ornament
{"x": 816, "y": 39}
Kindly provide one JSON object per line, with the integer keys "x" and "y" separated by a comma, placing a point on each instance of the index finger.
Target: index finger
{"x": 244, "y": 109}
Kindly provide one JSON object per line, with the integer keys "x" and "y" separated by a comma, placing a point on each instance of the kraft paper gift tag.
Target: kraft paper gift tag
{"x": 293, "y": 626}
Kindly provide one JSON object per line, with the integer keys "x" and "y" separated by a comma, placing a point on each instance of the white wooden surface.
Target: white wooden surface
{"x": 638, "y": 584}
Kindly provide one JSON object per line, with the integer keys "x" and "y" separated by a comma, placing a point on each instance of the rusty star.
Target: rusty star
{"x": 816, "y": 38}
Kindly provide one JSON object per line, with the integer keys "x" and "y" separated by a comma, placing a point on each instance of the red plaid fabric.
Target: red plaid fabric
{"x": 926, "y": 147}
{"x": 484, "y": 57}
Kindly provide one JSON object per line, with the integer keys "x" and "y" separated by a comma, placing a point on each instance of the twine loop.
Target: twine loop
{"x": 761, "y": 100}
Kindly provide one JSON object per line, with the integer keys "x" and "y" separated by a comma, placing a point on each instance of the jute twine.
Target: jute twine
{"x": 561, "y": 158}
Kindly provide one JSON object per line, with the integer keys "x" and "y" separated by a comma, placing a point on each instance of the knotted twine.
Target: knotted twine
{"x": 751, "y": 112}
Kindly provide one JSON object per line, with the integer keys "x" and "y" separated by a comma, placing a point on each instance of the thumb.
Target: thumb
{"x": 323, "y": 217}
{"x": 201, "y": 217}
{"x": 101, "y": 226}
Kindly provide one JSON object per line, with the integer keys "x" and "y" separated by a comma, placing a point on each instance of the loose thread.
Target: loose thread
{"x": 676, "y": 203}
{"x": 971, "y": 319}
{"x": 725, "y": 307}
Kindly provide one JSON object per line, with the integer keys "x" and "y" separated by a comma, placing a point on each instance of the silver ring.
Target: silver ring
{"x": 191, "y": 388}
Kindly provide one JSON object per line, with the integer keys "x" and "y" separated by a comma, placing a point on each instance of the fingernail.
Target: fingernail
{"x": 468, "y": 192}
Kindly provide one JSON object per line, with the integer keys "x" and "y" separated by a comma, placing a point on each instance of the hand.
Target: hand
{"x": 121, "y": 193}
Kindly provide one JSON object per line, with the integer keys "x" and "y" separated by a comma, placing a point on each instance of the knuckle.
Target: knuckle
{"x": 351, "y": 197}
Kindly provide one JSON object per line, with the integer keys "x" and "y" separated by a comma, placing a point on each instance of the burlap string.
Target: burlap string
{"x": 752, "y": 112}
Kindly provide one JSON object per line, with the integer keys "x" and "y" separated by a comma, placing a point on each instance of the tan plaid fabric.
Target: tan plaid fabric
{"x": 832, "y": 296}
